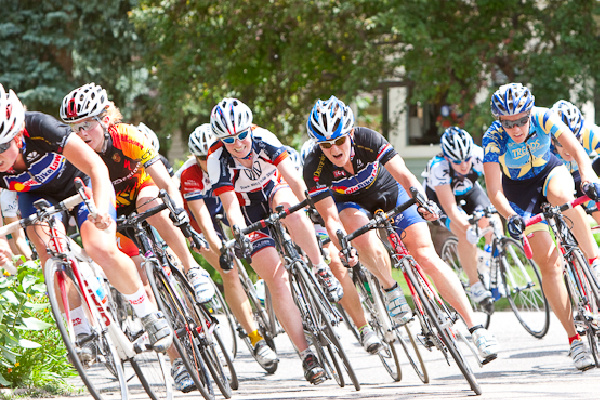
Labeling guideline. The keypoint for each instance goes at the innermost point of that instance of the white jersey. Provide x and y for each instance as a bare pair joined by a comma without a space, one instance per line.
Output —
439,172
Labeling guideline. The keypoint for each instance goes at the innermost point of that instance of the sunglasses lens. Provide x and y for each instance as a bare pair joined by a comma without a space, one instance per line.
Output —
242,135
338,142
228,140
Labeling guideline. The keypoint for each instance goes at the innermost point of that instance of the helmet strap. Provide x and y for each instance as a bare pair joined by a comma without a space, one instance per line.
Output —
106,135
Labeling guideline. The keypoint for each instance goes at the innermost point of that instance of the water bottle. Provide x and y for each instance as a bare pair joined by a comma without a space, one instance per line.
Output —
259,286
94,282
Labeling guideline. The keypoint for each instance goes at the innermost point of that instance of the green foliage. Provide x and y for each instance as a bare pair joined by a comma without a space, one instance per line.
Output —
32,352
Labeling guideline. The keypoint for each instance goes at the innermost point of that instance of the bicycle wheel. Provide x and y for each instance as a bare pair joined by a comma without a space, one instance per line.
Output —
523,286
172,304
409,344
585,299
101,370
441,321
482,313
151,368
321,316
220,310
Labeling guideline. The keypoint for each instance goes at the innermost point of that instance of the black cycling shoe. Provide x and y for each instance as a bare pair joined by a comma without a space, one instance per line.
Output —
313,372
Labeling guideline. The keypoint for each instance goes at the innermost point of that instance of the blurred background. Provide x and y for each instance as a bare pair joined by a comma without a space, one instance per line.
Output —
409,68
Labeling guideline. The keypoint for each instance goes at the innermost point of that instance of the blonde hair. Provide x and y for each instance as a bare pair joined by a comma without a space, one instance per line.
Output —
113,113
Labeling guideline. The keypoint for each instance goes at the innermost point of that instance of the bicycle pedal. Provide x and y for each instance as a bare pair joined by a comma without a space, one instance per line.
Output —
489,358
319,380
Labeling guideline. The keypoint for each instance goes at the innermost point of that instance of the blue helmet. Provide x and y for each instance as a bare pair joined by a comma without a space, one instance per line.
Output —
570,115
329,120
457,144
511,99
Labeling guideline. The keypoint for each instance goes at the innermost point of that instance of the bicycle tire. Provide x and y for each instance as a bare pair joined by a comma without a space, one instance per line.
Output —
523,287
482,313
318,302
151,368
388,354
98,377
178,313
435,315
585,300
221,311
415,359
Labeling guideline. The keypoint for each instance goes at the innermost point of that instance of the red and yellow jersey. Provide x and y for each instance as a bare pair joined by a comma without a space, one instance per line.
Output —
127,156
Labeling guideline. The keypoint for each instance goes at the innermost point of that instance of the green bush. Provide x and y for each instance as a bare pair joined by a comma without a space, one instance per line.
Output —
32,353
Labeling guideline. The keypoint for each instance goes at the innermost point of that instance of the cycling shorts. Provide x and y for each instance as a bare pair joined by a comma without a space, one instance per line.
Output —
401,222
475,200
127,207
8,201
527,196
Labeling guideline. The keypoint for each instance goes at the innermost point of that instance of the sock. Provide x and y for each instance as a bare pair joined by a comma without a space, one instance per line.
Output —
79,320
591,260
362,328
474,328
255,337
392,288
305,353
140,303
574,338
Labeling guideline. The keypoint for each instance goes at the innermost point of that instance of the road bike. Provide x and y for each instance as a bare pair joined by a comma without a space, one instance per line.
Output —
80,295
197,337
319,317
581,282
436,319
510,275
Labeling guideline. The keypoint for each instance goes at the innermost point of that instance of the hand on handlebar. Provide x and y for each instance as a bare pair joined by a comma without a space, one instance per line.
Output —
349,257
429,210
180,217
592,190
102,220
516,226
243,245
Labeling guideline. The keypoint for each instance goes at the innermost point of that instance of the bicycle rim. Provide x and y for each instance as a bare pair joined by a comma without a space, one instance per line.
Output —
323,323
227,321
436,314
178,314
481,315
103,373
523,286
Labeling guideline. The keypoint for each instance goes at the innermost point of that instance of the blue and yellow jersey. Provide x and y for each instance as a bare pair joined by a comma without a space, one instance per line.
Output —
589,139
520,161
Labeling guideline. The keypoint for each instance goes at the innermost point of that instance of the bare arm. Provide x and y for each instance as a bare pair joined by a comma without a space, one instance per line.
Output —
292,177
163,180
328,211
448,202
493,182
202,216
232,209
568,140
402,174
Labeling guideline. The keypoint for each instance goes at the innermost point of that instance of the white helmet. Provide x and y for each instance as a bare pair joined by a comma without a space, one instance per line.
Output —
230,117
12,115
150,134
457,144
84,102
306,148
201,140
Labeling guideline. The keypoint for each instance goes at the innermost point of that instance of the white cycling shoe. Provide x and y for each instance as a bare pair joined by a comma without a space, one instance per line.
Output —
486,344
202,284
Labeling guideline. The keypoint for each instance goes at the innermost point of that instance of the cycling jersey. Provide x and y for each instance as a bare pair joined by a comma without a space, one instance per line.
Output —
521,161
47,170
251,185
128,154
589,139
439,172
8,203
195,185
371,186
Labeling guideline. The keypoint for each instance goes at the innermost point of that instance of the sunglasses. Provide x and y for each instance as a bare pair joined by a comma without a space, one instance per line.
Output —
201,158
506,124
5,146
85,125
240,136
338,142
460,162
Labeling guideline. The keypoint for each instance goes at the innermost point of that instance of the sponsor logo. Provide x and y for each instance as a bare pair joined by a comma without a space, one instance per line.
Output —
255,172
32,156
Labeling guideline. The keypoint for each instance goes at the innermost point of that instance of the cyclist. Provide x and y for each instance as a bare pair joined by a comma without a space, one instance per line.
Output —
351,301
520,173
197,194
134,171
354,172
588,136
451,177
152,137
251,172
40,158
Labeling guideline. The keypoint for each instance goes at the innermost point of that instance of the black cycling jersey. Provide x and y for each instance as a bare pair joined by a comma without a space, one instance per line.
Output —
48,171
371,186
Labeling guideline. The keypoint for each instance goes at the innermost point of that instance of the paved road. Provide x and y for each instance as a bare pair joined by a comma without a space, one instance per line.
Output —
527,368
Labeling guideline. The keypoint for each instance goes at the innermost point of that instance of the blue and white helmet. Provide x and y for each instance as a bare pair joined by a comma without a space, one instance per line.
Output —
295,157
306,148
511,99
570,115
329,120
201,139
457,144
12,115
230,117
